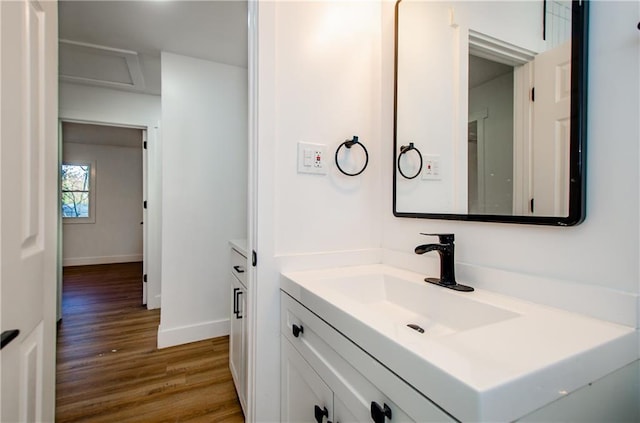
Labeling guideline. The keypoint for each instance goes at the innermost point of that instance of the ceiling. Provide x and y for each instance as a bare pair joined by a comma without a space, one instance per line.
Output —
483,70
118,43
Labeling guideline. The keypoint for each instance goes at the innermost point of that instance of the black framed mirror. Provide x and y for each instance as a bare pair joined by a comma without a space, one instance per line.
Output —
491,98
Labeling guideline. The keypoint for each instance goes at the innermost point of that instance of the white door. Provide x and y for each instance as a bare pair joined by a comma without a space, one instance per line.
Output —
301,389
551,121
145,222
28,207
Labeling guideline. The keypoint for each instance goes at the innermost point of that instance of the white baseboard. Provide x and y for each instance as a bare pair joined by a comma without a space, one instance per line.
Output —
85,261
170,337
153,302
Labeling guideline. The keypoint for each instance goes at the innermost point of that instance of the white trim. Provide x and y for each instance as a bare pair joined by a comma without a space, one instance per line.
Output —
145,218
131,58
154,192
97,122
479,118
496,50
522,136
192,333
252,208
92,190
86,261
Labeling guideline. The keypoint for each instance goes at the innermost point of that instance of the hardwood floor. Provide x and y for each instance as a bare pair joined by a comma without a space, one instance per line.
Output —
108,366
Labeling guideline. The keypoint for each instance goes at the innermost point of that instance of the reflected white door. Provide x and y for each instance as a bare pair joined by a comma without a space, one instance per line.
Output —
551,122
28,207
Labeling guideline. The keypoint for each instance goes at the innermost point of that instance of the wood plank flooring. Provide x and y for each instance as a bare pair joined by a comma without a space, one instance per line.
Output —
108,366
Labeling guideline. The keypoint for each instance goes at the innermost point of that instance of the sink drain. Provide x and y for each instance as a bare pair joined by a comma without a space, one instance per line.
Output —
415,327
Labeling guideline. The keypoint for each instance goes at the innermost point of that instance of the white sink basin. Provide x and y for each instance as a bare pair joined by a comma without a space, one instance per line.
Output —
482,356
399,302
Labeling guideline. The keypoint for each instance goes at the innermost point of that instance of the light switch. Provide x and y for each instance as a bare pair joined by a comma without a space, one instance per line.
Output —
311,158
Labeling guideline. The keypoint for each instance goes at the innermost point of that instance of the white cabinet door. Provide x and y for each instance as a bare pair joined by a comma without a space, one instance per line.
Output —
344,415
356,379
303,393
237,353
354,396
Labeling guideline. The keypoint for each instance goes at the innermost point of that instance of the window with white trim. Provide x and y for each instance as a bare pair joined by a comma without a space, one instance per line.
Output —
78,192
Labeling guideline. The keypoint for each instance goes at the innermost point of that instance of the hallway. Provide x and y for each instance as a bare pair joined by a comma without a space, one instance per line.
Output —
108,367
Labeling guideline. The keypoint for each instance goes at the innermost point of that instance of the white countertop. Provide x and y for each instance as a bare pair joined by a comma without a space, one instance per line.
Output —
493,372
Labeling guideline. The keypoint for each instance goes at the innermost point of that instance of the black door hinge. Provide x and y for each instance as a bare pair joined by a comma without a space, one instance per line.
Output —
144,204
533,94
144,145
254,258
531,202
144,278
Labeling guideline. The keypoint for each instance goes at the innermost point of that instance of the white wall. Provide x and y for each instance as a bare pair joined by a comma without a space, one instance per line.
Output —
428,105
116,235
319,81
103,105
319,74
495,98
433,85
204,115
603,251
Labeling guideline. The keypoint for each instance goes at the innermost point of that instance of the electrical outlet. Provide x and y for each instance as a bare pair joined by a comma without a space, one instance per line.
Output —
311,158
431,169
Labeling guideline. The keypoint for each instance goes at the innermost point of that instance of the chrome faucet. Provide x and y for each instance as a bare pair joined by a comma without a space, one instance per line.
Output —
446,250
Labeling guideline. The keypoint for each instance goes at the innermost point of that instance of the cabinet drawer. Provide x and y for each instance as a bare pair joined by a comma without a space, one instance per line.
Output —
239,266
342,365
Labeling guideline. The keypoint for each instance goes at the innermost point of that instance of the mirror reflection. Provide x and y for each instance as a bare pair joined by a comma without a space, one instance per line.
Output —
484,92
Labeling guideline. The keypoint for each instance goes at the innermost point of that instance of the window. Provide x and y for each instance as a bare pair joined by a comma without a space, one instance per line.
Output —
77,192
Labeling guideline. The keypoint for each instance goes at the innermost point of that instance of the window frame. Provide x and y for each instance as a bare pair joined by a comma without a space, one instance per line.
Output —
92,191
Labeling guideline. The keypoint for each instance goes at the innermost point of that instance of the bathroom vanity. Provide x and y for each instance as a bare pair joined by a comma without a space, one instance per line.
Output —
377,343
323,372
238,319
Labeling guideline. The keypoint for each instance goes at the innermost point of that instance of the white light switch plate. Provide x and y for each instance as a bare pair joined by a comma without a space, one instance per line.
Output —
312,158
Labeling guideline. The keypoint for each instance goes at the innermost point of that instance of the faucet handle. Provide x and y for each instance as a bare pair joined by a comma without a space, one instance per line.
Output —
443,238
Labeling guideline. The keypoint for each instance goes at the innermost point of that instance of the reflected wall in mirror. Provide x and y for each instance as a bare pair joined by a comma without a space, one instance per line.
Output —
493,95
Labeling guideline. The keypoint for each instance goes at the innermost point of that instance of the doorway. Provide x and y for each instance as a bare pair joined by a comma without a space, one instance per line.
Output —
103,183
